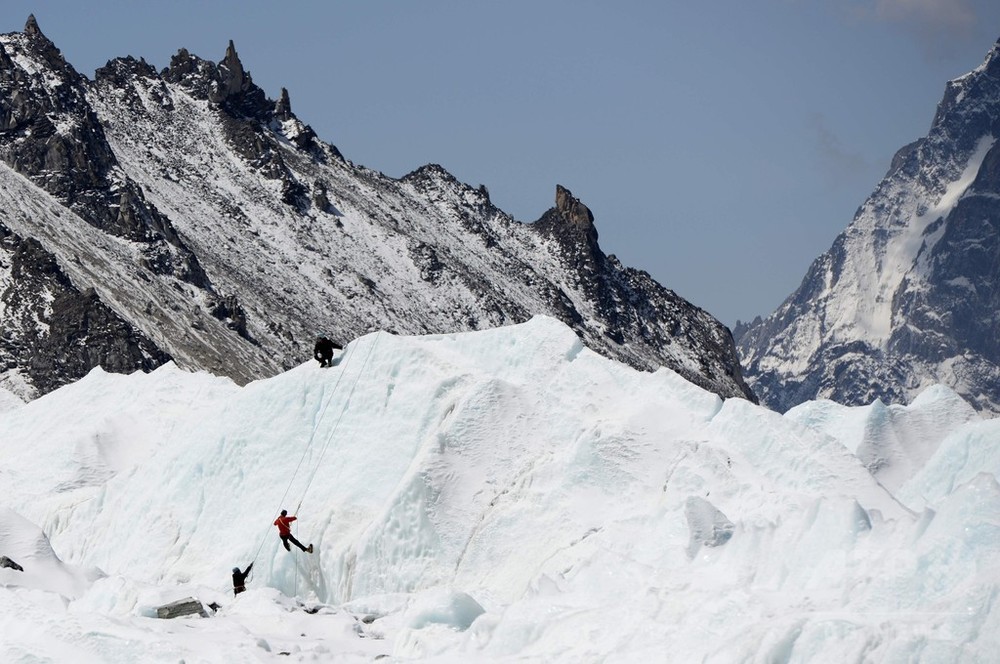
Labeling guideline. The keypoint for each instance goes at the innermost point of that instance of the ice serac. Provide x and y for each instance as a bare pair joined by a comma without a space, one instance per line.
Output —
33,564
494,496
215,222
908,294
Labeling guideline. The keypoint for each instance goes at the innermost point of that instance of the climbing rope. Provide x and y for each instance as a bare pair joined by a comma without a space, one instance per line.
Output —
330,437
316,420
336,425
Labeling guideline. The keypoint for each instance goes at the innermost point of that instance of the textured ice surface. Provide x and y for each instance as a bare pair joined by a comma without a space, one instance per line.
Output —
495,495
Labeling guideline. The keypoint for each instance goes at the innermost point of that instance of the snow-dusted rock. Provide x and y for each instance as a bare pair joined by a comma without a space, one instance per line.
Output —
216,229
907,295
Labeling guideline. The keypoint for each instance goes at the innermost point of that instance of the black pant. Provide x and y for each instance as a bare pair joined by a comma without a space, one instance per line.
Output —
285,539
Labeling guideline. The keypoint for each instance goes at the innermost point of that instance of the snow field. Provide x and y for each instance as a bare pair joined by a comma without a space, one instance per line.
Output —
495,496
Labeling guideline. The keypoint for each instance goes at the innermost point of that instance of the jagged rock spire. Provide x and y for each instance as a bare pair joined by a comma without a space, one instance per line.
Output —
43,46
31,26
572,210
283,108
234,78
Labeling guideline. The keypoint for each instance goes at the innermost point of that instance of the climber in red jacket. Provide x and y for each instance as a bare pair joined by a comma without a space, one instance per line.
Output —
283,523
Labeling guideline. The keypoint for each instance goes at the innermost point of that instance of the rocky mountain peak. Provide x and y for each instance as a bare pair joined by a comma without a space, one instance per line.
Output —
906,296
226,84
573,211
42,47
572,224
120,71
434,181
233,79
31,27
191,72
971,103
59,144
285,122
226,233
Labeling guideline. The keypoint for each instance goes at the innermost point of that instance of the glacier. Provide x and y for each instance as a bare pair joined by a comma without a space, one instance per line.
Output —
500,495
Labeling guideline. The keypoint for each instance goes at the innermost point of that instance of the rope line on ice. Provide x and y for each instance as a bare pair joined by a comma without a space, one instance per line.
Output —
336,425
302,458
329,439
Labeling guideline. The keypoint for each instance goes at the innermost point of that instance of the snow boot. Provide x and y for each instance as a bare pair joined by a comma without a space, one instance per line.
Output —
309,549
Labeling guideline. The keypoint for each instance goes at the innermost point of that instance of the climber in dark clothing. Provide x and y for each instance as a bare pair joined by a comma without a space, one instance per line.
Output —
284,524
240,579
323,351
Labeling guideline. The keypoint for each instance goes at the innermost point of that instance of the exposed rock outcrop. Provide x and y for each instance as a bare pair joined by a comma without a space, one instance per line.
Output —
52,333
8,563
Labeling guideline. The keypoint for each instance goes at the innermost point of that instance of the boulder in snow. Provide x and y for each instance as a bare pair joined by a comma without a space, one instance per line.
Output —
7,562
188,606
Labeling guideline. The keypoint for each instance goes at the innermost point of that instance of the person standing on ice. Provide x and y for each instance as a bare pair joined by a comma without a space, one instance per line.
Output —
284,524
323,351
240,579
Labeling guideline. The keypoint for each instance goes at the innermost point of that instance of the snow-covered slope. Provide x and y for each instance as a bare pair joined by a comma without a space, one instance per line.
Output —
219,228
909,293
498,495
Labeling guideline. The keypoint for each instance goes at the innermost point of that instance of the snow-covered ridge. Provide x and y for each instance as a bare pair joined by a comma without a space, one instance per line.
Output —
247,235
491,496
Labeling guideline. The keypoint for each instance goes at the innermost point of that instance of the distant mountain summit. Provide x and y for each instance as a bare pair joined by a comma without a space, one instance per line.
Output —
182,214
909,294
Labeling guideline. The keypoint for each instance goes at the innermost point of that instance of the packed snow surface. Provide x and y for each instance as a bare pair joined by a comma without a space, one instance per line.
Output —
505,495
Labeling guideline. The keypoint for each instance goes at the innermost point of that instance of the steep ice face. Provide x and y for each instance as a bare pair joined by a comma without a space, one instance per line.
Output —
33,565
502,494
894,442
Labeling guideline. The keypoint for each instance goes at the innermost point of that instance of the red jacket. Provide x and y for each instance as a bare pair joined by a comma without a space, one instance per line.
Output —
284,524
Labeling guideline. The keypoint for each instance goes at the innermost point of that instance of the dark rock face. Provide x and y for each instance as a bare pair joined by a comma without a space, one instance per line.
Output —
53,334
7,562
908,294
248,117
225,235
229,311
616,292
188,606
53,137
